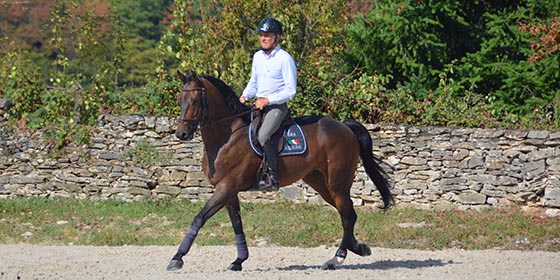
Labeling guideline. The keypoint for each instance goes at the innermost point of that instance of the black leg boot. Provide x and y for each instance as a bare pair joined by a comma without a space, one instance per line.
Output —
270,156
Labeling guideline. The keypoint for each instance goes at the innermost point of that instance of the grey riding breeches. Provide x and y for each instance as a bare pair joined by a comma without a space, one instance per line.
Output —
274,115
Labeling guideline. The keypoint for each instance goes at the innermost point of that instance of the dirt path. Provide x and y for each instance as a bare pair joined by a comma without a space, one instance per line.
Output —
209,262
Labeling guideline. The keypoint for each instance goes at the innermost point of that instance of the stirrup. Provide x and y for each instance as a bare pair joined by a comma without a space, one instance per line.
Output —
267,184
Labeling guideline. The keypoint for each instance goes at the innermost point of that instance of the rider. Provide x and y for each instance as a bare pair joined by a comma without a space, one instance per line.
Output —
273,82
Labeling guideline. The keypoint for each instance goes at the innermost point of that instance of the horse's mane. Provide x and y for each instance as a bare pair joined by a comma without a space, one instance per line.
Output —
232,100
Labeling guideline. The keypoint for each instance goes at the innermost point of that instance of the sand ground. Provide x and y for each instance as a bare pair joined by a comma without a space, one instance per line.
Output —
24,261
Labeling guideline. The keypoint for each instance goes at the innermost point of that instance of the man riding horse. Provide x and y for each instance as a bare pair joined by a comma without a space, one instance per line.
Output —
328,166
273,82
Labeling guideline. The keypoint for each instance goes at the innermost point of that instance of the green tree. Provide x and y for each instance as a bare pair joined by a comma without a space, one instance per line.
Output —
87,54
218,38
436,62
502,71
403,40
19,80
88,51
480,44
142,18
143,22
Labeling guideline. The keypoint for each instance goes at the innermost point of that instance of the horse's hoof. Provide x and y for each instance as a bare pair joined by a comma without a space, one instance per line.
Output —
366,251
362,250
175,265
235,267
331,264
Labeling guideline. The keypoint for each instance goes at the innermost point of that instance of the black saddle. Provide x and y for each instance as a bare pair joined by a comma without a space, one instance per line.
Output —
289,138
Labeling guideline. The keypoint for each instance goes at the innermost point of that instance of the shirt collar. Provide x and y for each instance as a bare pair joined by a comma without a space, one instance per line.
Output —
274,51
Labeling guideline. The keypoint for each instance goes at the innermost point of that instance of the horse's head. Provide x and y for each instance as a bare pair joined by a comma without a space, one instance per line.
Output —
192,101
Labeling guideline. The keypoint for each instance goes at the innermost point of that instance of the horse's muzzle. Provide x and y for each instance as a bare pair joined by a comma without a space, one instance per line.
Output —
185,134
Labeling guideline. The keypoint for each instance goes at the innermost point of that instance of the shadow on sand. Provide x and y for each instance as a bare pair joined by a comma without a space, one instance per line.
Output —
380,265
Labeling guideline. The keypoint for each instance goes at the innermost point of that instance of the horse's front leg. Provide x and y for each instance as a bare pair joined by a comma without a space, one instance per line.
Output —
242,250
214,204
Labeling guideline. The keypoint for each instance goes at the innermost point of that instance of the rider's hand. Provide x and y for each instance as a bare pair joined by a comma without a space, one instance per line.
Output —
242,99
261,103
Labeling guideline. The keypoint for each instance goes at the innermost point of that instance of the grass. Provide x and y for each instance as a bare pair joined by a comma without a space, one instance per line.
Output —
163,222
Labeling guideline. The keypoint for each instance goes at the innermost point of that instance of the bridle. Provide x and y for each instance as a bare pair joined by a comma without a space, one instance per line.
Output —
201,113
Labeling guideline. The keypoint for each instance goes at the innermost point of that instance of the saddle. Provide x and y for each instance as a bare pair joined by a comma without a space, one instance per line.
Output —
289,139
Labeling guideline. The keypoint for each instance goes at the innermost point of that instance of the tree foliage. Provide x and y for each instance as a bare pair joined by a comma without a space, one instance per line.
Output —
484,45
440,62
21,21
143,23
502,70
219,38
85,57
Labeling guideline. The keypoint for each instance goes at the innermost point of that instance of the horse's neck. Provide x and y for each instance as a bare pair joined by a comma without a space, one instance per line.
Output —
221,125
216,136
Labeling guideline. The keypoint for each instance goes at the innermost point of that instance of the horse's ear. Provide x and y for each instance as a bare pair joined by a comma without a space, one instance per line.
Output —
181,76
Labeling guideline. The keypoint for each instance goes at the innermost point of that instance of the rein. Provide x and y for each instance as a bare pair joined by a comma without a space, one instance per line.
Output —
201,113
231,117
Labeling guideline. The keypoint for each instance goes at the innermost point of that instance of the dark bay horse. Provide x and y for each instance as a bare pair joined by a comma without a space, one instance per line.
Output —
230,164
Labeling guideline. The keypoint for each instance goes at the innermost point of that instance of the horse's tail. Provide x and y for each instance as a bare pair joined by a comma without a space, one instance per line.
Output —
373,170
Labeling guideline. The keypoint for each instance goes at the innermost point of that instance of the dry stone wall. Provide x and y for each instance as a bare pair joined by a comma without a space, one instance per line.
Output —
472,167
136,157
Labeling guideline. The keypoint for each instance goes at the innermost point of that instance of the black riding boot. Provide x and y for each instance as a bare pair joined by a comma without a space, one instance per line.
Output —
269,173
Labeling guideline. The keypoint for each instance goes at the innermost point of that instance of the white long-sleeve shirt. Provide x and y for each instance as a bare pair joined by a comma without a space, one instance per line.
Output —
273,76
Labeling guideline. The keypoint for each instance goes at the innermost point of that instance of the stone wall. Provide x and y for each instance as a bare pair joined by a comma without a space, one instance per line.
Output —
428,166
470,167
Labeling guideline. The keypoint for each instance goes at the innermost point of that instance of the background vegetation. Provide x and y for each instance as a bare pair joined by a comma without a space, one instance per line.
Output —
115,223
477,64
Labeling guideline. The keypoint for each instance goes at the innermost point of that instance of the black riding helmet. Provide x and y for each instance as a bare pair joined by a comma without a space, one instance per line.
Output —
270,25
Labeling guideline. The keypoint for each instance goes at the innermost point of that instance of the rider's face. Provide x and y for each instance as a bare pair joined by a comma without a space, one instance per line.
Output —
268,40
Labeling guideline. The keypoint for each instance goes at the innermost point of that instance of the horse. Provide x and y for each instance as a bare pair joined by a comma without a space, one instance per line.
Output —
231,166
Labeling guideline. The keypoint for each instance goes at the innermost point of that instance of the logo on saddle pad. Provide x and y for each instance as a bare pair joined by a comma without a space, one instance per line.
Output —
293,140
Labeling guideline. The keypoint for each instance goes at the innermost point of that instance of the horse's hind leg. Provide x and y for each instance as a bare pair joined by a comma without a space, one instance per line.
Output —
317,181
349,217
345,208
242,250
341,201
343,204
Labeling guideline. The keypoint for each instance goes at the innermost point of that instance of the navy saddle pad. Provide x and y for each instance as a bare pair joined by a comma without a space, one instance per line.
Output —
292,137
